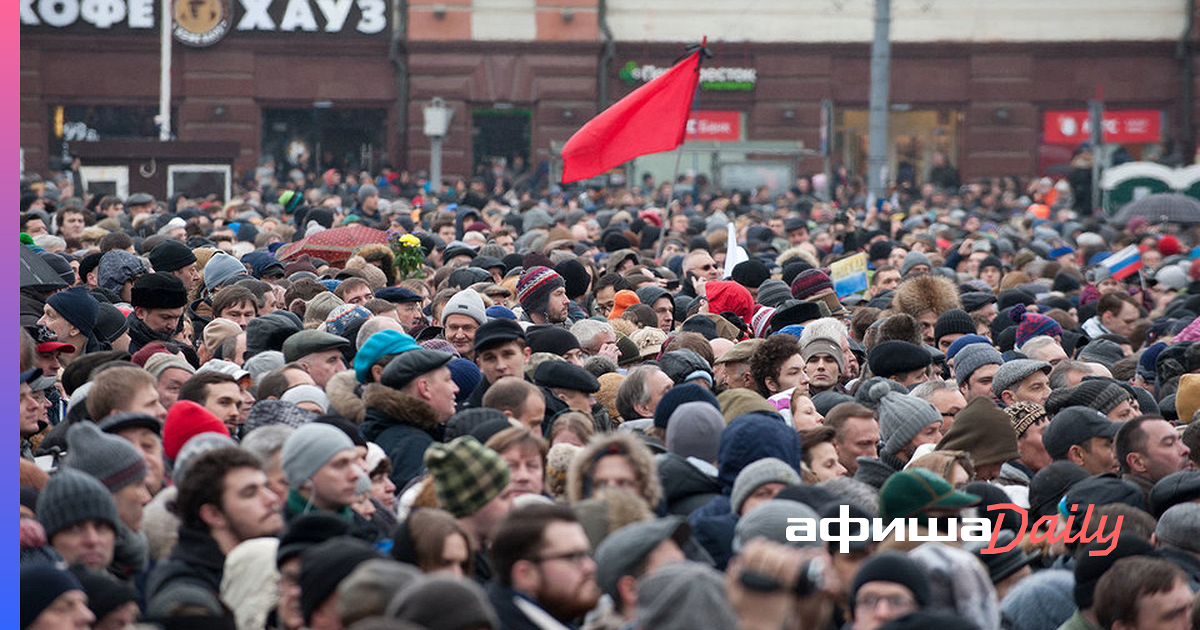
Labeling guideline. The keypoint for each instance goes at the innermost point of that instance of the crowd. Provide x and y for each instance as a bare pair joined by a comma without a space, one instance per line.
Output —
600,409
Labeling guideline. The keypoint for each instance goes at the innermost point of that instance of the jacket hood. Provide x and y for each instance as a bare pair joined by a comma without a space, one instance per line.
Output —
644,469
751,437
681,480
342,390
393,407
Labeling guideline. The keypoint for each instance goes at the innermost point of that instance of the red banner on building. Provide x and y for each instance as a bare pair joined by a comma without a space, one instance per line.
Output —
714,126
1133,126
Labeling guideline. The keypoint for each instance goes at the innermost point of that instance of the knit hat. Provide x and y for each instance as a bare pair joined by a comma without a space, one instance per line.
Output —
535,286
41,584
1049,485
901,417
1102,351
910,492
219,269
683,596
757,474
309,448
983,430
1089,569
466,302
466,375
117,267
895,567
1023,415
343,317
760,323
376,347
679,395
913,259
1030,325
1179,527
466,475
170,256
694,430
77,306
824,345
1013,372
552,339
622,300
158,290
306,393
110,459
809,283
575,277
72,496
963,342
953,321
184,420
1100,394
444,603
1041,601
750,273
973,357
896,357
195,447
773,293
326,564
767,519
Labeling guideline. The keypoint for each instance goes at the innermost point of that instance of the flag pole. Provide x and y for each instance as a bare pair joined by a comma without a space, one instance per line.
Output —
671,203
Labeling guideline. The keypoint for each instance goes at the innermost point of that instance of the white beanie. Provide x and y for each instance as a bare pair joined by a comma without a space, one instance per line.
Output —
466,302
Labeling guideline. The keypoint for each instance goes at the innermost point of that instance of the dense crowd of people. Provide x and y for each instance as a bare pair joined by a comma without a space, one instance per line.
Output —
601,408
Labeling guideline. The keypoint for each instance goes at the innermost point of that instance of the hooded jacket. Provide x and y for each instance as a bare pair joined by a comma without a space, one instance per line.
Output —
685,486
747,439
402,426
638,455
192,572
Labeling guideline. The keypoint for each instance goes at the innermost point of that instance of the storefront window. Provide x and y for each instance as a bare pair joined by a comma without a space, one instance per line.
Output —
914,136
320,138
90,123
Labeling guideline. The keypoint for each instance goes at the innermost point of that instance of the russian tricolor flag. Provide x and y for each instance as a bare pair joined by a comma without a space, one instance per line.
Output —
1124,263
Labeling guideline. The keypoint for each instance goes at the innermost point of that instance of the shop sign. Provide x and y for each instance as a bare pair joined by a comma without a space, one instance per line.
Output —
714,126
1131,126
722,79
198,21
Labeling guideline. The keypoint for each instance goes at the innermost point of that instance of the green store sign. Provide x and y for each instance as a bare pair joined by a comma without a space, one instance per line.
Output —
714,79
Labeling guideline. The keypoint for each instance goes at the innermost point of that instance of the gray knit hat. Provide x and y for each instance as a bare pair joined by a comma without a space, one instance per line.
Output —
769,520
219,269
72,496
694,430
973,357
901,417
773,293
1102,351
1179,527
466,302
913,259
110,459
755,475
309,448
683,595
197,445
1016,371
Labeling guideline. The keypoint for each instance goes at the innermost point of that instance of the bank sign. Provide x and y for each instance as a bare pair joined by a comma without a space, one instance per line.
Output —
204,22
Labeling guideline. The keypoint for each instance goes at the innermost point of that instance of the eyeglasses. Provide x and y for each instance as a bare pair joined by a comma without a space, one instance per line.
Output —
895,602
573,557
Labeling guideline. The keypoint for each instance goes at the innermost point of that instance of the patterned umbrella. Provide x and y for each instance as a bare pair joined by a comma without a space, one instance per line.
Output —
1161,208
333,245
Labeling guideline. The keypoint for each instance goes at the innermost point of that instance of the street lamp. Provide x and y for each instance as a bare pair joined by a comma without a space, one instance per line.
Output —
437,124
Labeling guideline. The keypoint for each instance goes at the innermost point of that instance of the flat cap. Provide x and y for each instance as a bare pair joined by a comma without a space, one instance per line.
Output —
398,295
897,357
563,375
1013,372
306,342
496,332
622,552
741,351
410,364
139,199
129,420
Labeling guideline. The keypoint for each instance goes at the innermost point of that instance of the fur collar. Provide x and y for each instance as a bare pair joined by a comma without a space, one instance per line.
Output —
398,407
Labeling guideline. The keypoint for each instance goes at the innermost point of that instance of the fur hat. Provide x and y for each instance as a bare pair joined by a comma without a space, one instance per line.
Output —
924,293
579,477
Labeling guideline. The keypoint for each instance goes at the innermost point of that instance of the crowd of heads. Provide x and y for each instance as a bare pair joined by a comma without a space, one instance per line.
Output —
602,408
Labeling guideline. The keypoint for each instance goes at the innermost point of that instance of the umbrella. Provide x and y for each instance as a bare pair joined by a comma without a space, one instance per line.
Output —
1161,208
37,274
333,245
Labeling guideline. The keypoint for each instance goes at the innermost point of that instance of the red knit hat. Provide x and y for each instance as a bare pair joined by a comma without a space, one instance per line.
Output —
186,420
1168,245
730,296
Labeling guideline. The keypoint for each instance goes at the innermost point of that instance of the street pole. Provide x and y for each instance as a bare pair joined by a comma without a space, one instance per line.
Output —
437,125
1096,121
435,163
164,74
877,130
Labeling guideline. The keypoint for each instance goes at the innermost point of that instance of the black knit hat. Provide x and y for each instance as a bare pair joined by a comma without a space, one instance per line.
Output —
170,256
576,277
105,594
308,530
158,290
893,566
1089,568
41,584
551,339
750,273
897,357
953,321
325,565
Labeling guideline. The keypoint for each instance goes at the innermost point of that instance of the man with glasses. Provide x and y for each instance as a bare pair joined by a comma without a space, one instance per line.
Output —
545,575
889,585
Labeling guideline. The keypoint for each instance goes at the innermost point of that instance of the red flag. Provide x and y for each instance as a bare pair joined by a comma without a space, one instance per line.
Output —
651,119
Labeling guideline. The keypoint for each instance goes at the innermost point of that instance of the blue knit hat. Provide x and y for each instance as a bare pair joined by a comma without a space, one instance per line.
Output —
466,375
963,342
376,347
678,395
219,269
76,305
